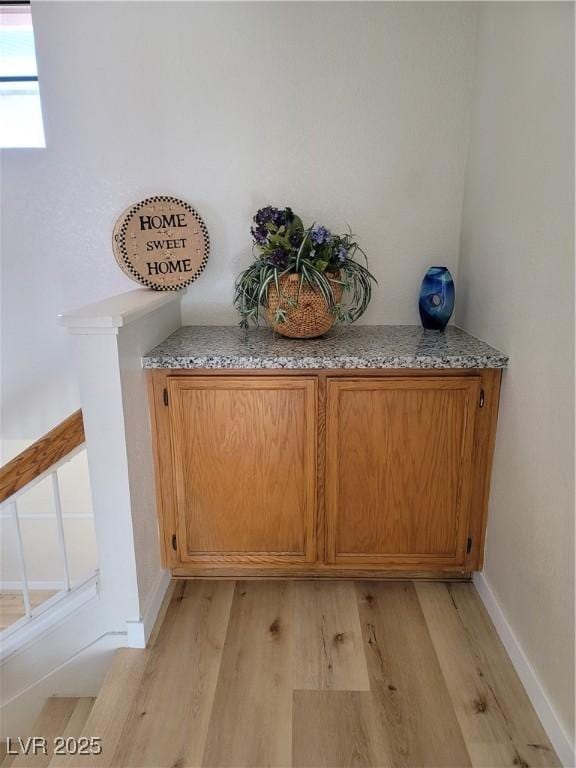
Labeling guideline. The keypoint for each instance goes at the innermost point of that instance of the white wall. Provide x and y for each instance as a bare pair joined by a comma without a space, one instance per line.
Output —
350,112
516,283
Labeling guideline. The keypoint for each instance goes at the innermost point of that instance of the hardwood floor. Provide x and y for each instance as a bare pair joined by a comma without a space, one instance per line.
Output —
409,693
169,720
12,605
328,650
314,674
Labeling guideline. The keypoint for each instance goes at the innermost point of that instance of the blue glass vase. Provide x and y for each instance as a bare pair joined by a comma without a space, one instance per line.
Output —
436,302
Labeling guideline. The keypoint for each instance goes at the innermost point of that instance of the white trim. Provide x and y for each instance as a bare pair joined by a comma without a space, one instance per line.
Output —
79,674
48,516
14,586
534,689
119,635
46,616
139,631
117,311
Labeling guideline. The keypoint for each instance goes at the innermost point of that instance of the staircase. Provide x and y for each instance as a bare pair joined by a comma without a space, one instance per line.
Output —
61,717
66,647
111,708
103,716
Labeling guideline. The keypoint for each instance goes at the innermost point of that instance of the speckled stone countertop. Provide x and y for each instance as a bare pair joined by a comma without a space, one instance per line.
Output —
356,346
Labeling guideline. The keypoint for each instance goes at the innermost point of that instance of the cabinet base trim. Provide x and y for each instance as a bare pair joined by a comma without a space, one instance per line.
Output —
319,573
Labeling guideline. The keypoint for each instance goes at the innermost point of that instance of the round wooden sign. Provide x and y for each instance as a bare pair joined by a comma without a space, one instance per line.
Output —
161,242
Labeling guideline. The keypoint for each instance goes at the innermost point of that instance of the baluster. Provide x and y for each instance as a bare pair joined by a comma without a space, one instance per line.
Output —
23,573
60,524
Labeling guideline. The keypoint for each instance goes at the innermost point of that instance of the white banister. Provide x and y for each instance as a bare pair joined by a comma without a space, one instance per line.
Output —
22,560
60,525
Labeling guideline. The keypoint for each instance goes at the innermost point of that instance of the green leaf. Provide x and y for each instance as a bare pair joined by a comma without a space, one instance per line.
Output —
300,253
316,270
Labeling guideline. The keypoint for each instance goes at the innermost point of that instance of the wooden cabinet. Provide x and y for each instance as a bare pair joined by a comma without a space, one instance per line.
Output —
244,468
398,469
323,473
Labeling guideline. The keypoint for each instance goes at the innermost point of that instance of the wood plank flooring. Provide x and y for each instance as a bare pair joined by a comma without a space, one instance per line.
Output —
169,719
323,674
409,693
482,681
328,652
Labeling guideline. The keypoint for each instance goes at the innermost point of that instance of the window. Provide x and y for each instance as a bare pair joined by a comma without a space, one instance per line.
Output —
20,110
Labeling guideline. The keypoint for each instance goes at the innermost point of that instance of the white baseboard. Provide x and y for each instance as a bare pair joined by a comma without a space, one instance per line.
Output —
139,631
530,681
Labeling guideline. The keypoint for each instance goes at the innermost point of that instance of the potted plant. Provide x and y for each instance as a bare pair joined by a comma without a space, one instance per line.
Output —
305,279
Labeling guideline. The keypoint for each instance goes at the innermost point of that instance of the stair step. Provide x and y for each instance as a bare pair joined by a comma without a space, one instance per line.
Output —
60,715
3,755
111,709
79,717
5,760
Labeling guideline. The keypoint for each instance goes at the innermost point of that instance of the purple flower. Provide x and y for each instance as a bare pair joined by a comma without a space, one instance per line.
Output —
259,233
282,218
320,235
264,215
274,216
278,257
342,253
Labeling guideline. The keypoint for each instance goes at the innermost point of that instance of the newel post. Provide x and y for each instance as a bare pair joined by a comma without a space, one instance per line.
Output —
109,340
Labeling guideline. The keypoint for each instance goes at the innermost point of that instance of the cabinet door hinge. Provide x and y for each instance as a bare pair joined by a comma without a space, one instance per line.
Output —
174,542
468,545
481,402
165,396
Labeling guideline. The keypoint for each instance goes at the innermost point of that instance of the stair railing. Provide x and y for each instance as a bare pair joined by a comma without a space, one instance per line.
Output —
40,460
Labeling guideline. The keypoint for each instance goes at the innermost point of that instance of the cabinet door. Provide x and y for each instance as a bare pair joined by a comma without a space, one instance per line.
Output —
244,462
399,466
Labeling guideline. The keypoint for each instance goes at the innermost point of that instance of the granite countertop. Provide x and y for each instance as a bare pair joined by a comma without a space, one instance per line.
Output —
356,346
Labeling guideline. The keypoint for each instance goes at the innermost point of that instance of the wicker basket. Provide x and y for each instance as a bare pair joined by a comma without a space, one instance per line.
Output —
310,318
